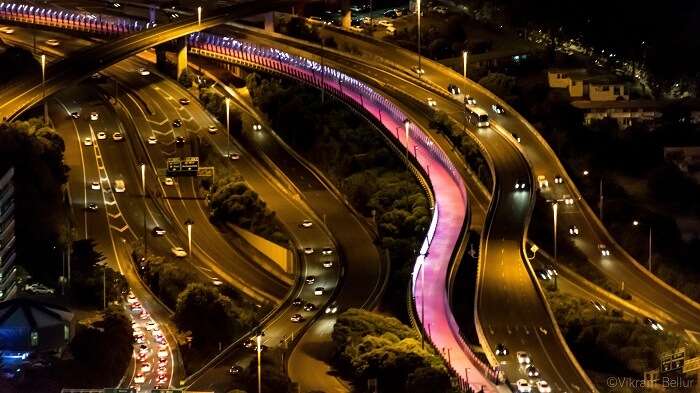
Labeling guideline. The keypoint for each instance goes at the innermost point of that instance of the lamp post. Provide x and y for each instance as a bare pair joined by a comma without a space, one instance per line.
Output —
228,129
418,13
189,224
199,15
464,70
258,340
636,223
145,227
555,210
43,88
407,128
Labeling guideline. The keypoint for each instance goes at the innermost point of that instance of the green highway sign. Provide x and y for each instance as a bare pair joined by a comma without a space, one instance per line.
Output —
120,390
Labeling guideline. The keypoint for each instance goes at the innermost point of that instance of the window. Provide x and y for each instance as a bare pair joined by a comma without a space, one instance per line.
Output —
616,90
35,339
606,88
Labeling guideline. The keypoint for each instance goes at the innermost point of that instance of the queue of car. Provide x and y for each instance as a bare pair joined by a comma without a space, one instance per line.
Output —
151,351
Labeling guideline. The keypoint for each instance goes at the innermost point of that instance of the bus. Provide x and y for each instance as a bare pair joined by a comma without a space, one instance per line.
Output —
477,116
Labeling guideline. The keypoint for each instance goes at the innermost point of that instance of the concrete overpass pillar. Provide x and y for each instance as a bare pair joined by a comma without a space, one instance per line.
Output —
181,53
161,58
345,14
270,21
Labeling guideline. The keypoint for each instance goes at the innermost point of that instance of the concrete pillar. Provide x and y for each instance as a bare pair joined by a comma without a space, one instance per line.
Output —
270,21
152,10
161,58
345,14
181,52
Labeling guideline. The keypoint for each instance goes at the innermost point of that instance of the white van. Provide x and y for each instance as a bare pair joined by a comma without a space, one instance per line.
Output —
119,186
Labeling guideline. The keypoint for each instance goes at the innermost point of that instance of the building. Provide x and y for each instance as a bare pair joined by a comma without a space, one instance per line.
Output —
625,112
594,87
8,270
28,325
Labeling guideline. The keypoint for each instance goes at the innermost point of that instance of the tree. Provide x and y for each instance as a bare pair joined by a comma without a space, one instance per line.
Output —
428,380
185,79
499,84
87,279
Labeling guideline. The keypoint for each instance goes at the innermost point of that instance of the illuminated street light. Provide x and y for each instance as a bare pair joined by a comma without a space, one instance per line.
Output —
43,88
418,12
199,15
228,129
189,224
464,70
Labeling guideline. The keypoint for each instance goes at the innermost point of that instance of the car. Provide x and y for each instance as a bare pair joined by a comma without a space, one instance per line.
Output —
523,386
119,186
542,181
418,71
94,116
257,127
146,367
140,339
143,72
309,307
469,100
169,181
523,357
92,206
96,75
250,343
184,101
327,251
151,326
454,89
598,305
179,252
7,30
235,369
327,263
131,298
163,353
216,281
152,140
75,115
297,302
310,280
516,137
332,308
212,129
532,371
501,350
307,223
234,156
543,386
162,378
498,109
137,309
134,304
604,250
139,378
87,141
157,231
308,250
440,9
143,348
144,315
319,291
431,102
117,136
568,200
101,135
38,288
654,325
162,370
558,179
53,42
95,185
177,123
179,140
296,318
162,361
573,230
520,185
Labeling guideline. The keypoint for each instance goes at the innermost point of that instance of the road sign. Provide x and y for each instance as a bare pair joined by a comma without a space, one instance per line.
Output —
205,171
119,390
672,361
187,166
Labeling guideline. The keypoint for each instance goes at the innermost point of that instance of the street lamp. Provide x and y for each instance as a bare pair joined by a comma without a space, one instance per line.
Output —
555,210
145,227
228,129
636,223
199,15
258,340
407,127
189,224
464,70
418,12
43,88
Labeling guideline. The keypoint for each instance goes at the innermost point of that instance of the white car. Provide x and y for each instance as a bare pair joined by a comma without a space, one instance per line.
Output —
327,251
432,103
319,291
179,252
150,326
146,367
308,250
119,186
53,42
101,135
88,141
95,185
418,71
498,109
523,357
139,378
212,129
296,318
7,30
234,156
469,100
523,386
162,353
152,140
543,386
144,72
328,264
169,181
131,298
117,136
94,116
307,223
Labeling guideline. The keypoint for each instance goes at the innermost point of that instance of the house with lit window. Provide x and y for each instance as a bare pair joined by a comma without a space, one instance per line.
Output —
582,84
